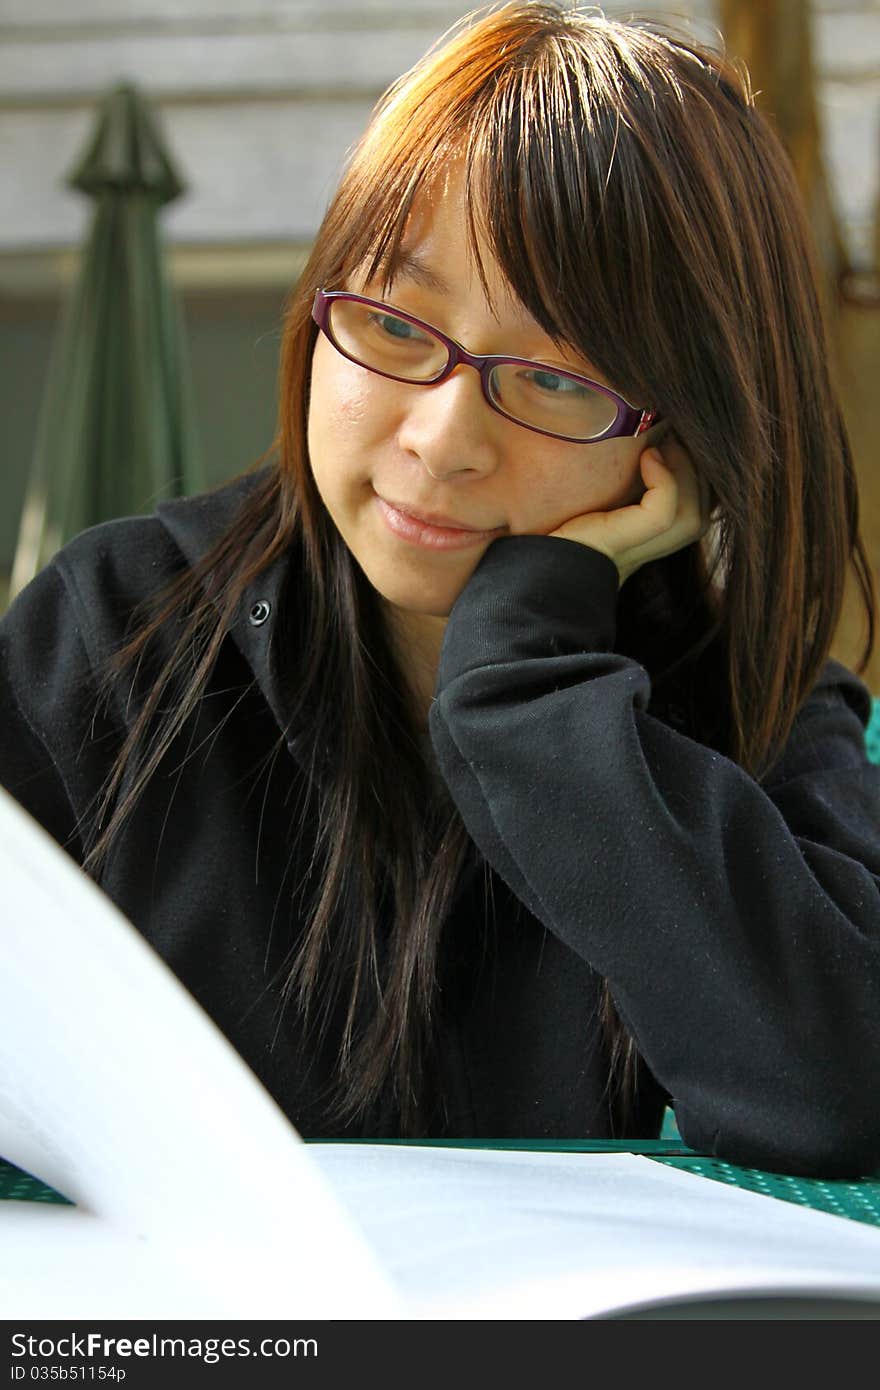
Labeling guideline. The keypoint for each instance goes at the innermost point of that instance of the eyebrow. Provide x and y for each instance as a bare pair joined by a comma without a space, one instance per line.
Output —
408,265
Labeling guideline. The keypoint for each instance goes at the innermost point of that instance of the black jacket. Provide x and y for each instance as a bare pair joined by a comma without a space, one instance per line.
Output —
738,924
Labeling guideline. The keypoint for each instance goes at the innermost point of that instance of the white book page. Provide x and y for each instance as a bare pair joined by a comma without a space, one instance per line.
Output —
470,1233
119,1091
66,1264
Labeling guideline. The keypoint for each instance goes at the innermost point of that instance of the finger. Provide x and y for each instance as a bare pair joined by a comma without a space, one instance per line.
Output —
630,528
661,499
694,487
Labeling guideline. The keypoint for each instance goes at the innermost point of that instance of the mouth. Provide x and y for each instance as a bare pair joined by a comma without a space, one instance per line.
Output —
432,529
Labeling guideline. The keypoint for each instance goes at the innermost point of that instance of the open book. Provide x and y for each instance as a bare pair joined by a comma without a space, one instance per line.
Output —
195,1198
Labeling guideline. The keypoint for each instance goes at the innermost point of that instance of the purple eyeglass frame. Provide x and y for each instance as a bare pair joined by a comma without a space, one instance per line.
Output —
630,420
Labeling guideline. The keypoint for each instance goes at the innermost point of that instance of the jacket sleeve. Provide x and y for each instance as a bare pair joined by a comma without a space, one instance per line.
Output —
737,922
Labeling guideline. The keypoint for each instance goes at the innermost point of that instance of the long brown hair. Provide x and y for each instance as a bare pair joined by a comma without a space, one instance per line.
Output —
645,214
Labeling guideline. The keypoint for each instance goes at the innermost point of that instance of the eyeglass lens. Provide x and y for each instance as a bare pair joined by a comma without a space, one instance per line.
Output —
534,395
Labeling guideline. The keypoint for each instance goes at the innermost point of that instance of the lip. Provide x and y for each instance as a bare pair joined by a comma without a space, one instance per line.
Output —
431,528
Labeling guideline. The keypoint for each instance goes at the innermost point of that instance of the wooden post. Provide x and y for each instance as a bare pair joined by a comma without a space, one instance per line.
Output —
774,39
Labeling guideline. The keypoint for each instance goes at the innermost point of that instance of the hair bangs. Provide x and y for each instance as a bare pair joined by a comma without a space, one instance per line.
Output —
553,180
555,189
423,122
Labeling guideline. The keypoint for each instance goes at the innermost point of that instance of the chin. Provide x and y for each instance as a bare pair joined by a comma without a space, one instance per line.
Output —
439,606
431,601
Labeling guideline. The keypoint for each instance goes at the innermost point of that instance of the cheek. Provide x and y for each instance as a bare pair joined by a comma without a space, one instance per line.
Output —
338,394
596,479
629,485
350,405
340,419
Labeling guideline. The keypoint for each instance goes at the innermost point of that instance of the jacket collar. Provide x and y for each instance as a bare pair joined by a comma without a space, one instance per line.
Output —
196,524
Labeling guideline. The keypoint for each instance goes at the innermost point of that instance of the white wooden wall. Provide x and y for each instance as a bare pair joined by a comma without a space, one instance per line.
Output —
261,99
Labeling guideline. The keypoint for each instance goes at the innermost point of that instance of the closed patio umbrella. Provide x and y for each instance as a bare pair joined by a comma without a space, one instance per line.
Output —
116,428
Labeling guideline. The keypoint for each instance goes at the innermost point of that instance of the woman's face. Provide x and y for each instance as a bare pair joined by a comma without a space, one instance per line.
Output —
377,445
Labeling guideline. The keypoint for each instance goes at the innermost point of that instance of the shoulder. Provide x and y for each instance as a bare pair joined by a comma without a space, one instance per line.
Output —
838,686
57,636
827,739
116,565
96,583
87,593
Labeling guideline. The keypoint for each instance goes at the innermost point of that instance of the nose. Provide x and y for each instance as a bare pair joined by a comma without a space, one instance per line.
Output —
449,427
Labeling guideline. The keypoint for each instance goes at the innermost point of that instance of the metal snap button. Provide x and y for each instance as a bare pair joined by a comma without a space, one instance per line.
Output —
259,613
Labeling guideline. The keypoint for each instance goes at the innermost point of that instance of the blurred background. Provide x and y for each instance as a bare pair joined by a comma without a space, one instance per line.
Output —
236,116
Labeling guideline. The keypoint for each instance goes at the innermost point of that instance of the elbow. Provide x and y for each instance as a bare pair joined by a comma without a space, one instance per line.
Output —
833,1142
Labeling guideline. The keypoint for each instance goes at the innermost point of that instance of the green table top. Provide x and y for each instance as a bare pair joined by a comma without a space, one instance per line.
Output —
855,1198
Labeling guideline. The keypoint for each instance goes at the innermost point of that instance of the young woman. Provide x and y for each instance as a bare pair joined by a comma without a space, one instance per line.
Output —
478,762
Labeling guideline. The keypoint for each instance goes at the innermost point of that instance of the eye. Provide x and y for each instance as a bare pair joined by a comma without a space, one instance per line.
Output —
555,385
391,327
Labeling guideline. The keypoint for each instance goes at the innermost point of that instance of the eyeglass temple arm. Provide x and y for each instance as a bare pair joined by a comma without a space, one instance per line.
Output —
647,420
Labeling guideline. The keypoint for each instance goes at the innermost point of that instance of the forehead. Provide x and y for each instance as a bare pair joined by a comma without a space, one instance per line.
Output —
441,253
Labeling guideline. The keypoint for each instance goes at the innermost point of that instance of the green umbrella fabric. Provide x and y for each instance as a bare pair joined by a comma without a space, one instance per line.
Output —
116,429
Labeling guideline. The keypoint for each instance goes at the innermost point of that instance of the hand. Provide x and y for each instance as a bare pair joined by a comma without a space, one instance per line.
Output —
674,511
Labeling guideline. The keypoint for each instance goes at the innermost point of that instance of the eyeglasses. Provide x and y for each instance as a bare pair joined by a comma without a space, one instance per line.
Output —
394,344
